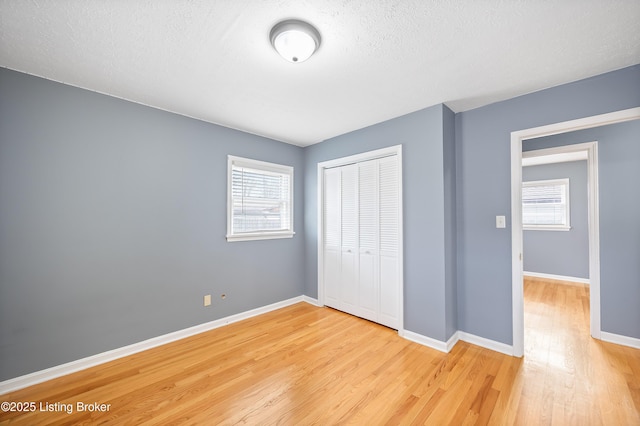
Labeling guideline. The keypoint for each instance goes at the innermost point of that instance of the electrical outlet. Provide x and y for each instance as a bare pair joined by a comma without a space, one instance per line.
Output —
207,300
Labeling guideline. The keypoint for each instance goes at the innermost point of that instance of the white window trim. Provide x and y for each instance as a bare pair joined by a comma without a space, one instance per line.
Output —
259,165
566,227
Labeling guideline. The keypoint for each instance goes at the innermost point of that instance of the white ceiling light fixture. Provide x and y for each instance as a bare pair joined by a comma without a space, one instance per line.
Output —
295,40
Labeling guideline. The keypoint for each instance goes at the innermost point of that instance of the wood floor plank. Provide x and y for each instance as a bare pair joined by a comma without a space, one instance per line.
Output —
303,365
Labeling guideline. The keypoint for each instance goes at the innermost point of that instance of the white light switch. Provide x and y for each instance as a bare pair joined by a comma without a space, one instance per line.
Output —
207,300
501,222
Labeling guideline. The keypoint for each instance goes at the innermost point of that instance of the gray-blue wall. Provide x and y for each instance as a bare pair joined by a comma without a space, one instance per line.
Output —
427,149
483,187
619,196
563,253
113,222
113,215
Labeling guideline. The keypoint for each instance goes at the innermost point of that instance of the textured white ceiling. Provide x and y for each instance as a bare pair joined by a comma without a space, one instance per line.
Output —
379,59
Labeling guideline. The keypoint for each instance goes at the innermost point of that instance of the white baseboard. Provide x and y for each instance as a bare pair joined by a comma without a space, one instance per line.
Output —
556,277
452,341
620,340
498,346
311,301
457,336
425,341
91,361
486,343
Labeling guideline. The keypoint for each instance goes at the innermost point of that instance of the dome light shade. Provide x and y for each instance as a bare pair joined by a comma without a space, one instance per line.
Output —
295,40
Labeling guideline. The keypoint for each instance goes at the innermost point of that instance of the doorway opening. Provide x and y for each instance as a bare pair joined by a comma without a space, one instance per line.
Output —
517,139
556,196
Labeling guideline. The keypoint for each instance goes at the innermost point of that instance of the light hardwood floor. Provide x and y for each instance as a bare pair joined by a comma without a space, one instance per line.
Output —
305,365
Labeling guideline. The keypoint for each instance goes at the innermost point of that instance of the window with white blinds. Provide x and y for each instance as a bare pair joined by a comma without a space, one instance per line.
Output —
259,200
545,205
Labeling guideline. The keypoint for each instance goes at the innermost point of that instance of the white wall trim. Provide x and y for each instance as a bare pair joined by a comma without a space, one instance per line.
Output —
429,342
516,215
497,346
556,277
101,358
364,156
486,343
457,336
620,340
453,340
555,158
311,301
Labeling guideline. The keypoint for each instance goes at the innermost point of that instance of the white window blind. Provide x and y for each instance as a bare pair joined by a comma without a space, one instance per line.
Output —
260,200
545,204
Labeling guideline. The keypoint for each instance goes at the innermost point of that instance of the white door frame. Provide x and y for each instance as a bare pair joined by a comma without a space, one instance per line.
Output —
357,158
517,138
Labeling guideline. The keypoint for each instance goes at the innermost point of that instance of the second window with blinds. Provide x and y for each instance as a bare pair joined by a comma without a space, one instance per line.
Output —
545,205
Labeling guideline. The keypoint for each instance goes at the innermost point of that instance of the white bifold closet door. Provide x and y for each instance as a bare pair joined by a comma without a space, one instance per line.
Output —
361,244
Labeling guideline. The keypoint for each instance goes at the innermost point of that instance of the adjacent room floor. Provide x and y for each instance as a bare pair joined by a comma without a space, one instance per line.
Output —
305,365
568,377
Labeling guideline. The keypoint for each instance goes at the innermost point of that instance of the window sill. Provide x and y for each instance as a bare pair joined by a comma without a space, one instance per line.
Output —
546,228
260,236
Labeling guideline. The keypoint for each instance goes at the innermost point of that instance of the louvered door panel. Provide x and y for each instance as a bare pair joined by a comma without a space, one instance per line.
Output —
368,204
369,235
389,220
349,210
332,211
389,243
389,308
349,282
